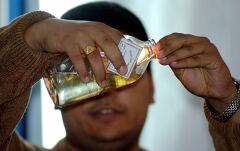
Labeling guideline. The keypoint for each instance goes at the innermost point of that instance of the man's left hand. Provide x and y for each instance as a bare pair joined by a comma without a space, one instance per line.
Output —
197,63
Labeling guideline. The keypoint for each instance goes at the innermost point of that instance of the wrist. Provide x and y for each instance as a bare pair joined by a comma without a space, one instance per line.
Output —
225,111
220,105
34,35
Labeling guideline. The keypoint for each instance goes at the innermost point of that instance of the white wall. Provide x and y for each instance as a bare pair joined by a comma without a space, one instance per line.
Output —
176,122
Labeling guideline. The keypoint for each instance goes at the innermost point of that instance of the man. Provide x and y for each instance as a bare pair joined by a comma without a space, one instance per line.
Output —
111,121
114,120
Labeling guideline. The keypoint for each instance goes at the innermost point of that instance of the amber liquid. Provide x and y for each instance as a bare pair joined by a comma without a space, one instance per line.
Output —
66,89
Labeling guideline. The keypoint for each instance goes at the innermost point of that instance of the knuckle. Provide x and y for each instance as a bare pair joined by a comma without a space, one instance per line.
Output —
117,32
190,36
116,35
204,39
212,47
101,25
176,34
106,40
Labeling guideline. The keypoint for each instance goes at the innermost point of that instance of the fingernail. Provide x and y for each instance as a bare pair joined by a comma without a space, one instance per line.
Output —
104,83
122,70
86,79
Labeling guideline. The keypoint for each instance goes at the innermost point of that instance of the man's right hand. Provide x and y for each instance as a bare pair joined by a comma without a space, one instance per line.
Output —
72,37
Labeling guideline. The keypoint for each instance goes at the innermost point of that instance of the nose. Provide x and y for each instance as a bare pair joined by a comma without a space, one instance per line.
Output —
111,95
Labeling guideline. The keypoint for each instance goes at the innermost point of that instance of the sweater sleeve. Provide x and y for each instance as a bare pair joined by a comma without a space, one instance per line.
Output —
225,135
20,68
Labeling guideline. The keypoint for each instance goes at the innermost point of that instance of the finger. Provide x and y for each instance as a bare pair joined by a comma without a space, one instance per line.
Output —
112,51
78,63
115,34
175,41
95,61
184,52
202,60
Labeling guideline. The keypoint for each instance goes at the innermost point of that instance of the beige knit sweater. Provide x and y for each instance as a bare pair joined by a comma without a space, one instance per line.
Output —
21,67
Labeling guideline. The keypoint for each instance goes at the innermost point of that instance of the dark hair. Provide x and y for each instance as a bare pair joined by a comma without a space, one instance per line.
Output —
111,14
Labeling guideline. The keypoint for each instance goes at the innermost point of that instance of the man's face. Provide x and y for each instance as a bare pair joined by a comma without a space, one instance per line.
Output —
115,117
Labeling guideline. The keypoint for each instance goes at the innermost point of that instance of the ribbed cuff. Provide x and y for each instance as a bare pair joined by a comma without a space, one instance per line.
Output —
227,129
21,53
21,66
